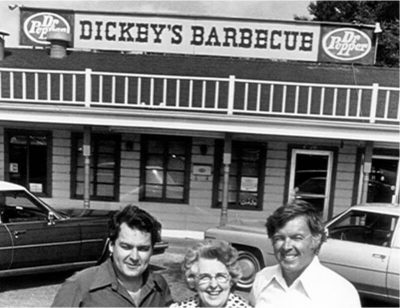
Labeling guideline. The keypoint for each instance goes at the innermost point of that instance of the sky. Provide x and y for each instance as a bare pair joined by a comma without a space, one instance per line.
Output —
266,9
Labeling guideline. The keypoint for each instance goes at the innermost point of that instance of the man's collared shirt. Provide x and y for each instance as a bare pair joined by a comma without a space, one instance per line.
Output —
317,286
99,287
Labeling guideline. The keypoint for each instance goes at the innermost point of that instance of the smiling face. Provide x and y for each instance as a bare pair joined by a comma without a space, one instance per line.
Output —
213,282
294,247
131,253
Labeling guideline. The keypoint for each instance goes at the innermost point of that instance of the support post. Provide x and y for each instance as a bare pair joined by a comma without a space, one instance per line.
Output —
374,102
231,94
227,158
88,87
366,170
86,156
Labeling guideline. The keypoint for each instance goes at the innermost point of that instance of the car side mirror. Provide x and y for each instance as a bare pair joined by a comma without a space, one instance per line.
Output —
51,219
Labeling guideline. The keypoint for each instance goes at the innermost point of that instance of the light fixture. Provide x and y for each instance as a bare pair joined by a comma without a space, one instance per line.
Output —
378,28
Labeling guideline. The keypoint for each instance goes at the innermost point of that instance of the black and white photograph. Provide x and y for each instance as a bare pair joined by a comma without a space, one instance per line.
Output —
218,153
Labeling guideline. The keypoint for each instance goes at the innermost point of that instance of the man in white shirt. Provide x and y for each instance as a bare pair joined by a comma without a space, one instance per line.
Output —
299,280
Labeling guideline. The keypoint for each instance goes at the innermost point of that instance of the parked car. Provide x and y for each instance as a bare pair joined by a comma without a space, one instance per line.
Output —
363,246
35,238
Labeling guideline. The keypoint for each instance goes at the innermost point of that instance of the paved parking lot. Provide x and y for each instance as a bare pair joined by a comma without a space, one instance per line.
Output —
39,290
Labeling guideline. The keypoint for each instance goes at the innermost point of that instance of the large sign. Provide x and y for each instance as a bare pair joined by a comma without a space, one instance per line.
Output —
280,40
36,23
196,36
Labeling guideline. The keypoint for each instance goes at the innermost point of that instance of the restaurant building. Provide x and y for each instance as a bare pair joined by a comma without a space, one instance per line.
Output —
200,120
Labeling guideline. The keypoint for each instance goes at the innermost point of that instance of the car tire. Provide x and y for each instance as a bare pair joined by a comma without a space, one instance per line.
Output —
250,263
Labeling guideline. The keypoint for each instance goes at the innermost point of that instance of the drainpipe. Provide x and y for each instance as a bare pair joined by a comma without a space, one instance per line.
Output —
86,156
2,44
367,170
227,163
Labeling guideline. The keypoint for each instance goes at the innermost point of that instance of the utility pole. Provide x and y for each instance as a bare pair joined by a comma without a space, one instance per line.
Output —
366,170
86,155
227,159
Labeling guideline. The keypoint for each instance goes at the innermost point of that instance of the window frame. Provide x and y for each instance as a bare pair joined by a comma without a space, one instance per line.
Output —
218,163
143,156
94,157
47,189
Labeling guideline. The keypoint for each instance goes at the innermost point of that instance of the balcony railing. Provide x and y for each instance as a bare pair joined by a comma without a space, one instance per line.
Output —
231,96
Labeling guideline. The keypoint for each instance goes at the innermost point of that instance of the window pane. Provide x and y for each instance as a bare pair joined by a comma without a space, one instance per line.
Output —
176,162
19,140
104,190
154,191
105,176
175,178
174,192
154,176
176,147
106,146
249,169
155,147
250,154
154,161
248,200
80,188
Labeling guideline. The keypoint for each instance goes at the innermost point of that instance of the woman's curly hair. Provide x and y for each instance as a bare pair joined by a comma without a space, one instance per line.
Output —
211,249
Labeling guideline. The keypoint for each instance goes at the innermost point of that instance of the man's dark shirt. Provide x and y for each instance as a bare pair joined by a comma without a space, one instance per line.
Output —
98,287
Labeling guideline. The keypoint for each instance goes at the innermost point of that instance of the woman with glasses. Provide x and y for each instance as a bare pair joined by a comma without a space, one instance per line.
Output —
211,269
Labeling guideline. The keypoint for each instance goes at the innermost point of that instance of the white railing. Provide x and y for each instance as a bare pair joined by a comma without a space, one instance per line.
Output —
229,95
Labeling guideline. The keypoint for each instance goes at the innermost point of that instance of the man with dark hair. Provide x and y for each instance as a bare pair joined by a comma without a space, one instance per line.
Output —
299,280
124,280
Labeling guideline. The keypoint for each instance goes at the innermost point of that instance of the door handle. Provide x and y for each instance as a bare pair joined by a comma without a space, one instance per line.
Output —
379,256
19,232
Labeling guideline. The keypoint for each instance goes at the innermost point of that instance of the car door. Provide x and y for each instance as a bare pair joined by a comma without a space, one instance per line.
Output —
393,277
38,240
5,247
360,251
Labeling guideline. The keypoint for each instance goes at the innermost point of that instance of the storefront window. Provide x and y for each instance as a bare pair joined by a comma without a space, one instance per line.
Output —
246,176
104,167
28,162
165,169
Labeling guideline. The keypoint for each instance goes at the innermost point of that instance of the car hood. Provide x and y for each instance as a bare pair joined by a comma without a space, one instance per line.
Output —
243,228
87,213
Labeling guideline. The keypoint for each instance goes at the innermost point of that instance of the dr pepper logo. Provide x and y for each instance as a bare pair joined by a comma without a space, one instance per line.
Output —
38,25
346,44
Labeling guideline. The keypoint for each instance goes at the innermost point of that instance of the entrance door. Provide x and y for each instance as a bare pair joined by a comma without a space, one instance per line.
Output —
383,179
310,178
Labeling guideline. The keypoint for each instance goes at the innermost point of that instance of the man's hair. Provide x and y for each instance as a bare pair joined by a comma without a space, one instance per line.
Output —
292,210
211,249
135,218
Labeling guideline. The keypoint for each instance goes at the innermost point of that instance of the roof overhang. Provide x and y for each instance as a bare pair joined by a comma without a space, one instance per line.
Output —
127,120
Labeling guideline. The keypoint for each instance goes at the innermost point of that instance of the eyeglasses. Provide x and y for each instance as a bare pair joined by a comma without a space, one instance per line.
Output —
297,238
205,279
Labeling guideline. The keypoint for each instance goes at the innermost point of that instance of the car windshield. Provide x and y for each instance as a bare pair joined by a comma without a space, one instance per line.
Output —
364,227
18,205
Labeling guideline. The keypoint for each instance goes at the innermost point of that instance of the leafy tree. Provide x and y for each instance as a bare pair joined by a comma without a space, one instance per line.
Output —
365,12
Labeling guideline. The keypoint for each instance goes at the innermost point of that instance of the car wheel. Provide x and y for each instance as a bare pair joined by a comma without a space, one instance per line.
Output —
250,265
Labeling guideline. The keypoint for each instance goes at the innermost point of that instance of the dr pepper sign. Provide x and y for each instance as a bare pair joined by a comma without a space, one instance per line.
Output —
211,36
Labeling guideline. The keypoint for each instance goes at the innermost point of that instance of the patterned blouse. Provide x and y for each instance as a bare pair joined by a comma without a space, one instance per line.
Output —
234,301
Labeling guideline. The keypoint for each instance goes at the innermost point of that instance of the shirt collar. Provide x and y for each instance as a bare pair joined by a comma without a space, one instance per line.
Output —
106,276
310,277
306,280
